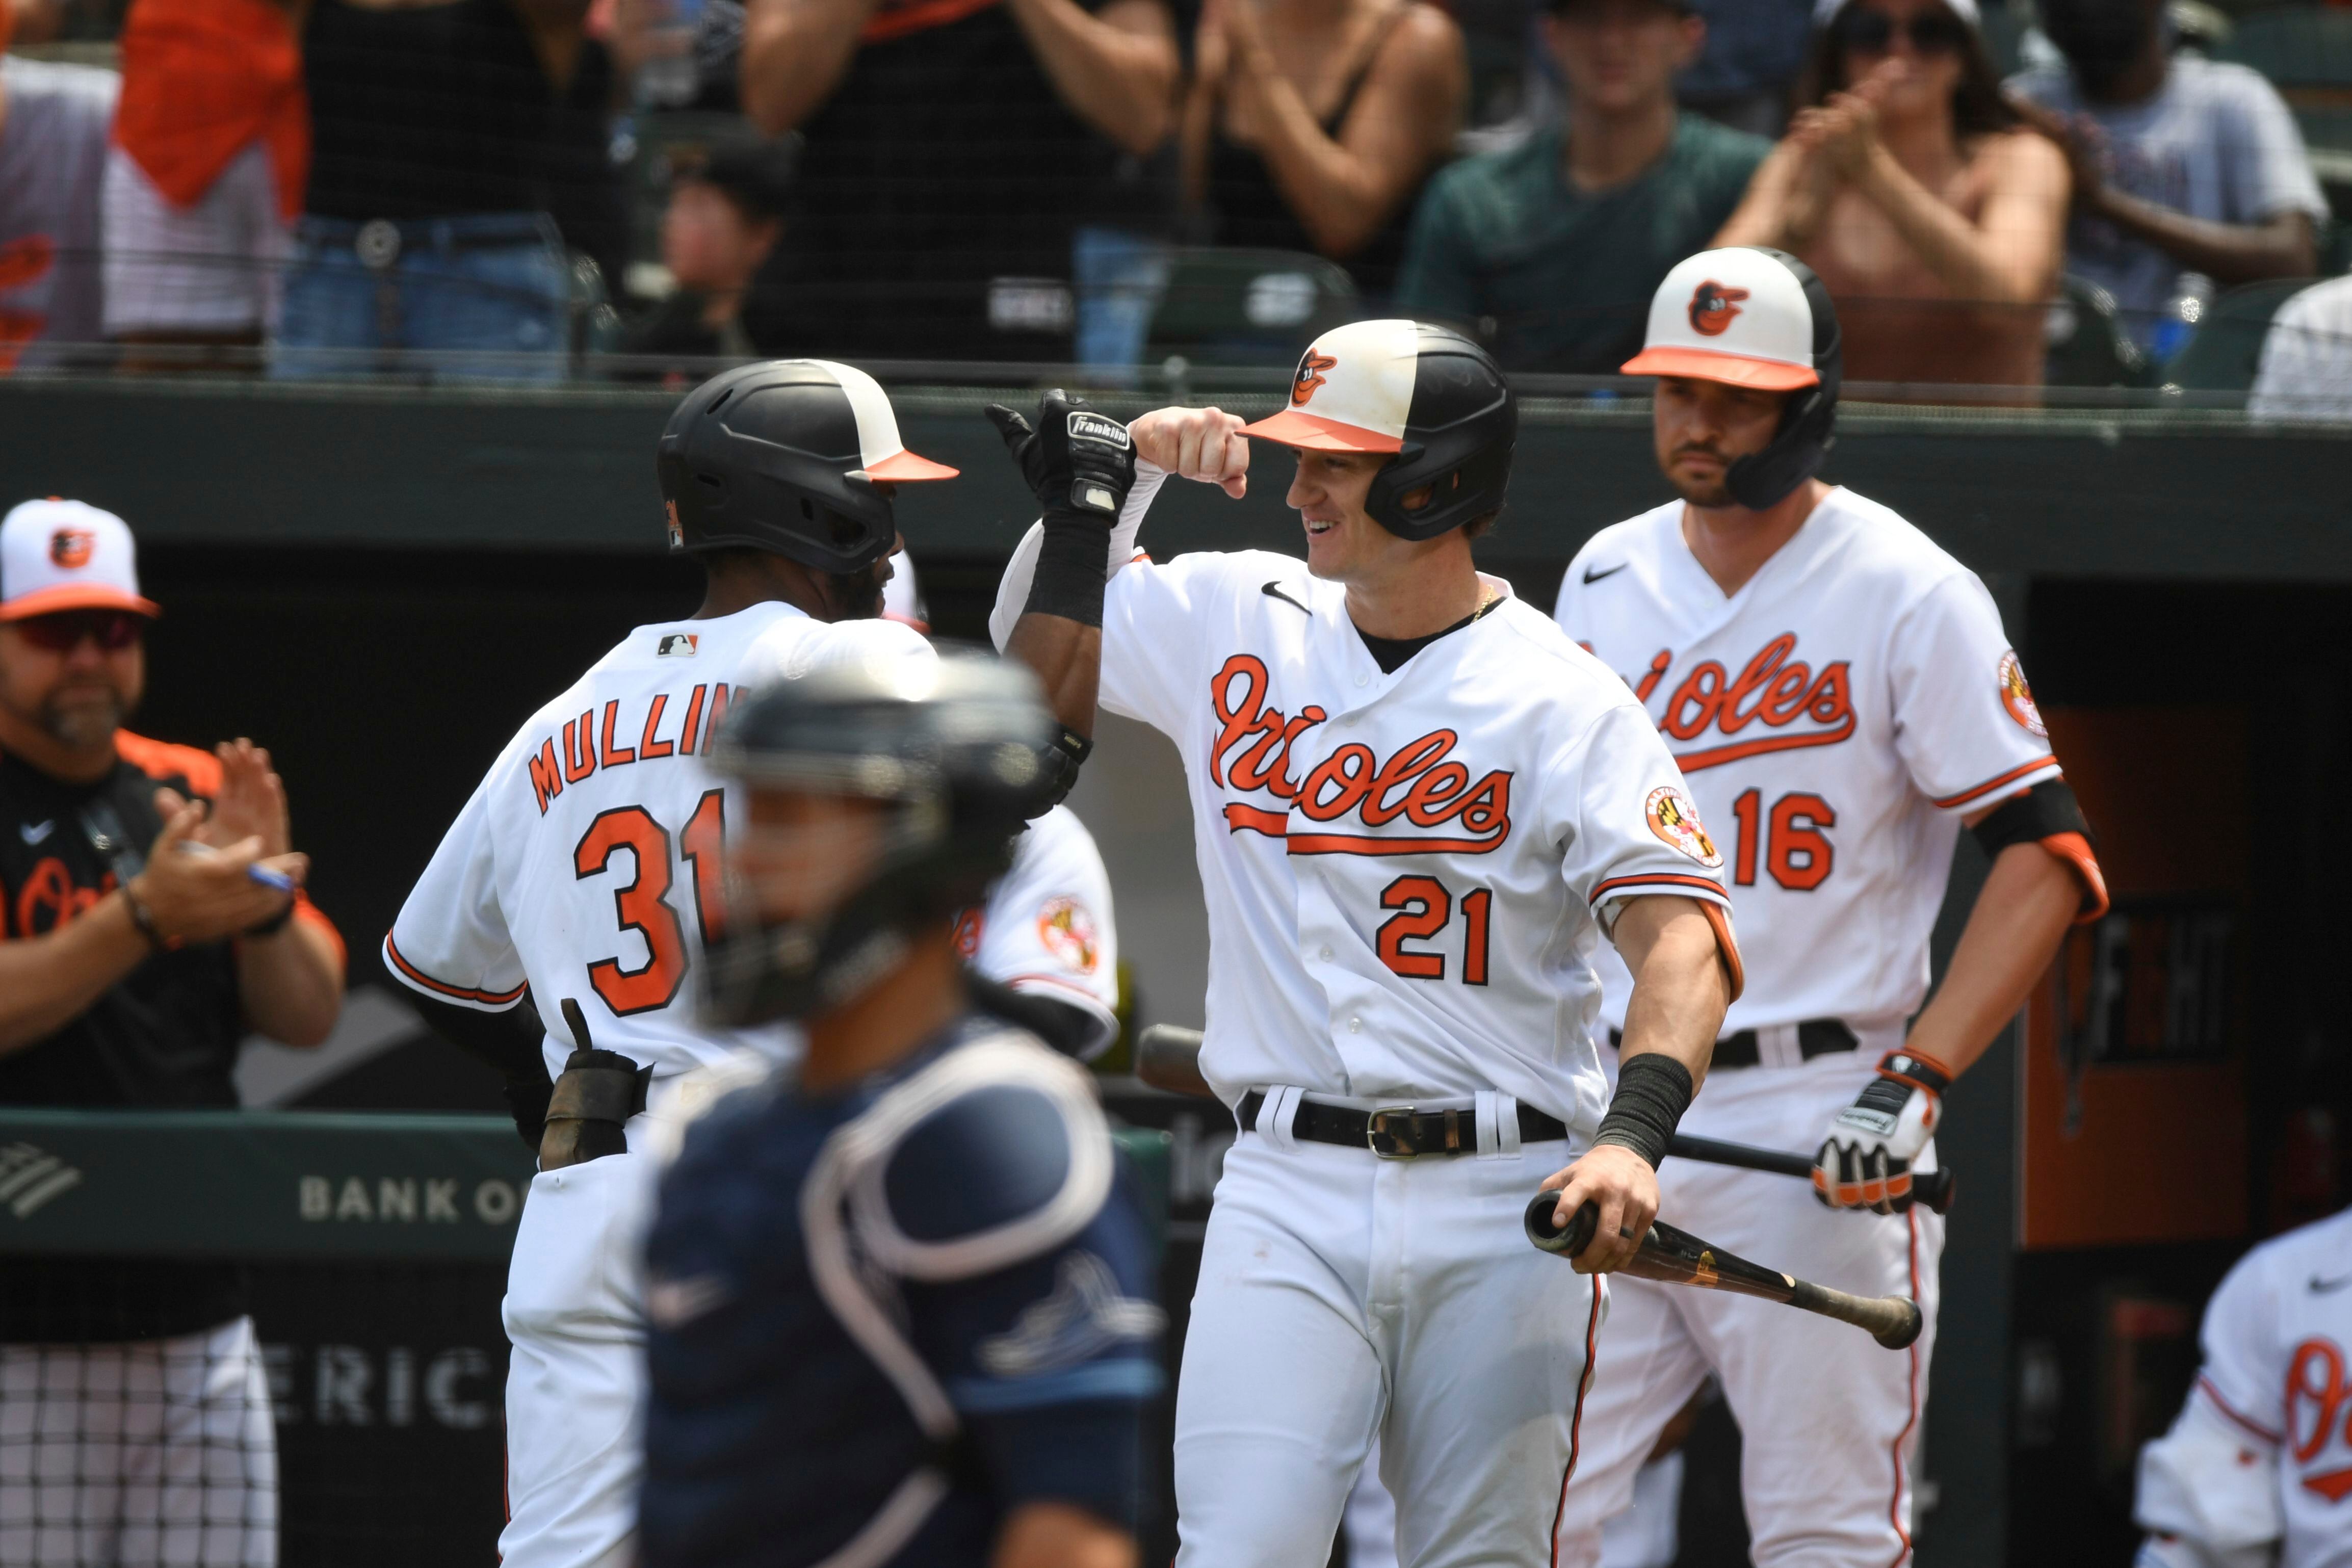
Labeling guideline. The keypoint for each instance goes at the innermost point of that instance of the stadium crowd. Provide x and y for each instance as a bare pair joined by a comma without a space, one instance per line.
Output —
310,185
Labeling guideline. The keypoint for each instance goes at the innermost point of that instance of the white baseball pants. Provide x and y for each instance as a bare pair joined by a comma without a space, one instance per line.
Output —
1343,1296
139,1455
576,1387
1829,1421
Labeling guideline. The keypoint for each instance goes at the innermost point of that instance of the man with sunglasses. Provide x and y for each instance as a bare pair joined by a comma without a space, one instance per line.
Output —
150,917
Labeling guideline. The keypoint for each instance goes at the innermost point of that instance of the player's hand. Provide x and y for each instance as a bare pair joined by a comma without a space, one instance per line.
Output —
197,893
1619,1183
1866,1161
1201,443
1079,464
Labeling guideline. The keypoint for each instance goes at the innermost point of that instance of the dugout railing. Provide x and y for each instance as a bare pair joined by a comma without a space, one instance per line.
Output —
374,1251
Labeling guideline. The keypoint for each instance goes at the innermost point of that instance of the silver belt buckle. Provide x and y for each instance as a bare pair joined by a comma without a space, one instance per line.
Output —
1391,1141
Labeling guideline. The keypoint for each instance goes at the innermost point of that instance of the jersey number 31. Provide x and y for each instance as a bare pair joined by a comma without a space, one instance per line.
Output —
642,904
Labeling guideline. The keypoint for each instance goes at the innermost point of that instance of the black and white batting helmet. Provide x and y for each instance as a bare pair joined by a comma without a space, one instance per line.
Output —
1426,394
789,456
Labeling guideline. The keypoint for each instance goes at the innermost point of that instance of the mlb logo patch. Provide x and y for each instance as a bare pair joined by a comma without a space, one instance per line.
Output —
676,645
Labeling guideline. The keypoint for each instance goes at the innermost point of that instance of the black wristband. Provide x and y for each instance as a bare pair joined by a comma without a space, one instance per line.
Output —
142,918
1652,1091
275,923
1072,570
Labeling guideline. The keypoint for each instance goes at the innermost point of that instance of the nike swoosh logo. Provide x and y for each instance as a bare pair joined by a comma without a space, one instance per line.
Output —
1273,591
34,833
1592,576
2328,1287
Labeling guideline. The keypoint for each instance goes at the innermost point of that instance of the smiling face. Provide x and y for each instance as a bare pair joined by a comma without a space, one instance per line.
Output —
1343,543
1702,428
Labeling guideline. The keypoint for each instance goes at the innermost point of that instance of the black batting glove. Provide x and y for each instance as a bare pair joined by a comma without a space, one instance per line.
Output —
1080,465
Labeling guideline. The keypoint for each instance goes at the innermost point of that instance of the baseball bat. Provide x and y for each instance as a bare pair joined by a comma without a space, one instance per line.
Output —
1677,1257
1169,1057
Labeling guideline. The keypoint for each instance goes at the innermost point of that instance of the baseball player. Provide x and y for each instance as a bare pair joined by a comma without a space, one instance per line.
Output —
1841,699
900,1305
1047,932
585,873
1418,809
2258,1468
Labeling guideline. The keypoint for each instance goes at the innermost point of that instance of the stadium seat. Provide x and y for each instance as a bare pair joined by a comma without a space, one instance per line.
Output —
2306,51
2228,348
1248,307
2085,342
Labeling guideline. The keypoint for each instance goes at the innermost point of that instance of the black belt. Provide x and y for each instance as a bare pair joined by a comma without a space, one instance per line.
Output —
1815,1037
1398,1131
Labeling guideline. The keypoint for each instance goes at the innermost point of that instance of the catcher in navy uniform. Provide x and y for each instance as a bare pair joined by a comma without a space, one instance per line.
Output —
900,1304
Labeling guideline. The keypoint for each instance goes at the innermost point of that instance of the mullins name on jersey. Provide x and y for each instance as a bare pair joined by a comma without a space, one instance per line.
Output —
589,743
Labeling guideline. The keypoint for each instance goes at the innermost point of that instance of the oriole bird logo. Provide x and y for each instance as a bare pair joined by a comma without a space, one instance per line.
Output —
1712,307
71,547
1310,376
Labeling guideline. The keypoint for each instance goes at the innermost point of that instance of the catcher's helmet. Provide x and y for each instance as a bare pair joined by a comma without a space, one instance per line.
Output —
1425,392
785,457
953,746
1753,317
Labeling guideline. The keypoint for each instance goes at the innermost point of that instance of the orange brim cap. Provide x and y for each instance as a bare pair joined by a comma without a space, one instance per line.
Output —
1737,370
76,596
902,468
1316,434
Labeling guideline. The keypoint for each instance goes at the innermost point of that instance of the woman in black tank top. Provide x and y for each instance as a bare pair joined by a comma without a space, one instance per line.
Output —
1311,125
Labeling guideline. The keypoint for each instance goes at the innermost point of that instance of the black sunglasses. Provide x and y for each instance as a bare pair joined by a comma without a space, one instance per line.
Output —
113,630
1871,32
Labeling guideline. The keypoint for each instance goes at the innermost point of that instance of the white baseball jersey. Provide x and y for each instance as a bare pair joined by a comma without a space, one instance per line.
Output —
1835,718
1047,925
1406,873
588,863
2262,1450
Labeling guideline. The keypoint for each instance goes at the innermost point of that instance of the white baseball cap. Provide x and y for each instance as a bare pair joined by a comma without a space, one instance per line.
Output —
1353,391
68,555
1740,315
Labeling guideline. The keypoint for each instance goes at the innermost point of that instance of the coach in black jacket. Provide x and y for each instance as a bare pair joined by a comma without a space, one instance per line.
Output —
150,914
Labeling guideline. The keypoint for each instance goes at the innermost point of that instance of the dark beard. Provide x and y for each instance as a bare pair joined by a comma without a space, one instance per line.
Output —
83,725
857,595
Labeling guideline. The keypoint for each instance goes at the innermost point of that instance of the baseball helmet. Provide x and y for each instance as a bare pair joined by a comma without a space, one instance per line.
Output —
1425,392
1756,317
787,456
951,746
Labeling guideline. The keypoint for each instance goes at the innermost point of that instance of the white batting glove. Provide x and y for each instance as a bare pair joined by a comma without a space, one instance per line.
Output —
1866,1161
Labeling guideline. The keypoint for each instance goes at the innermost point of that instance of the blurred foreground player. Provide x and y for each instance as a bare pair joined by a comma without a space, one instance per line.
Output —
901,1302
1419,810
149,926
1841,696
585,871
2257,1470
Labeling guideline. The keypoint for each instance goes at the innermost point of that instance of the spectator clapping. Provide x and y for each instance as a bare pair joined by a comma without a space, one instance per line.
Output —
1935,220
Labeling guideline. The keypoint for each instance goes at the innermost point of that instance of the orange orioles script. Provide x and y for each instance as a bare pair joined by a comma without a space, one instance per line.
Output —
1772,693
604,740
1419,782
